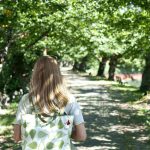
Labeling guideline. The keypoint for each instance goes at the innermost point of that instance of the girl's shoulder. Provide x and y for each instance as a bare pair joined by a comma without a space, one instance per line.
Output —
72,103
72,99
25,96
25,99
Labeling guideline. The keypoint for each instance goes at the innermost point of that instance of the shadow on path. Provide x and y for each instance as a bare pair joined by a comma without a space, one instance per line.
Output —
111,122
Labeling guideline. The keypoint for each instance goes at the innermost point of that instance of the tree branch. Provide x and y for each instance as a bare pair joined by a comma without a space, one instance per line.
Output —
38,39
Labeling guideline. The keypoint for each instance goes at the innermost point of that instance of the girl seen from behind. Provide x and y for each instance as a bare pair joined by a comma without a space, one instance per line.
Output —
47,95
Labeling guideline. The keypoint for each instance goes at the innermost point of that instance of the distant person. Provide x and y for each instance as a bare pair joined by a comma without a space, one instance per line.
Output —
48,92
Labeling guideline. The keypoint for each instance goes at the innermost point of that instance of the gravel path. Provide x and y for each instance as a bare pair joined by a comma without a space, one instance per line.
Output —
111,123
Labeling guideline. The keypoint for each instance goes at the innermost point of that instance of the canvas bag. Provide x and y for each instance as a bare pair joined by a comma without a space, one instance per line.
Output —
46,133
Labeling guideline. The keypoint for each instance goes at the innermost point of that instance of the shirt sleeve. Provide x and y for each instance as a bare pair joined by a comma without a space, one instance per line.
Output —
23,108
73,108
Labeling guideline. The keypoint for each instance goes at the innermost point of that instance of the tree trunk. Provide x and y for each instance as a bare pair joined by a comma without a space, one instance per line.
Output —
112,67
145,84
75,66
102,66
83,64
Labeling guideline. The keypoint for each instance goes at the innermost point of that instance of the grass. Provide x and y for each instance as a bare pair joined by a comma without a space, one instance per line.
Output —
131,95
7,117
96,78
127,92
146,115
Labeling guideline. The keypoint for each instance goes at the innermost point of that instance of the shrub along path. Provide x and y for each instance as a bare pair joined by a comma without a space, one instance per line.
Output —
111,119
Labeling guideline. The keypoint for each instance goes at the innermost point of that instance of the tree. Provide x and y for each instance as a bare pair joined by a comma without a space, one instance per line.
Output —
145,85
102,65
71,29
133,17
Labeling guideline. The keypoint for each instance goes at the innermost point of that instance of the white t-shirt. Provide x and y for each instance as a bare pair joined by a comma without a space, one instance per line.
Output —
72,108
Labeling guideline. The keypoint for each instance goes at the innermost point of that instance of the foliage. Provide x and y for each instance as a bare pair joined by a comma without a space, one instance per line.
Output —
69,29
131,65
146,115
7,118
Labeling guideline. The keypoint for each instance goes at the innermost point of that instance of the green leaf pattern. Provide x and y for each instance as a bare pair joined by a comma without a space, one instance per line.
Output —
49,145
33,145
41,134
60,124
59,134
61,143
26,134
32,133
24,124
52,135
52,124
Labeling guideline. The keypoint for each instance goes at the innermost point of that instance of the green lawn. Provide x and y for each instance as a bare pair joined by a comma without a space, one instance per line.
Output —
7,117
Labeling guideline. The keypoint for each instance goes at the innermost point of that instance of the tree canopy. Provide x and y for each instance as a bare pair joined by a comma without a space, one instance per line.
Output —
69,29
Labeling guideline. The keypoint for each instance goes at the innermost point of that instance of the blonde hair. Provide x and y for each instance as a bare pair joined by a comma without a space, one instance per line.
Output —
47,86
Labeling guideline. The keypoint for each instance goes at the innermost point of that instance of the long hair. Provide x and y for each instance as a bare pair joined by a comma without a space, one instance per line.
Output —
47,86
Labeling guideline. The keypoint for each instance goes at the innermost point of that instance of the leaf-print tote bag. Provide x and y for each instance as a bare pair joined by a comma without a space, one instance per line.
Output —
52,134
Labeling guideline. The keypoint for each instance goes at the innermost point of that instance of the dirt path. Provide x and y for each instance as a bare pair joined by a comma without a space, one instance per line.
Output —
111,123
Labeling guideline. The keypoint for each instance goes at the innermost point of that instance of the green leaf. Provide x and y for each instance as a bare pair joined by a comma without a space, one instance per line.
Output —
59,134
26,134
24,124
32,133
42,134
52,124
24,143
60,124
49,145
33,145
61,144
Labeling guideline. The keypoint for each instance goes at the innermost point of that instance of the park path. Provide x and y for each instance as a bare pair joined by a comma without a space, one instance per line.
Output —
110,122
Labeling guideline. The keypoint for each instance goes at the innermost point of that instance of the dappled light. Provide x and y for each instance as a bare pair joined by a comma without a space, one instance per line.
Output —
111,122
102,48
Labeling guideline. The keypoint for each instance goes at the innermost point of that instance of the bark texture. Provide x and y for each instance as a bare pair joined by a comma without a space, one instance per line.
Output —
145,84
102,66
